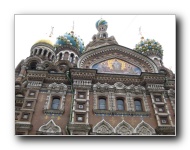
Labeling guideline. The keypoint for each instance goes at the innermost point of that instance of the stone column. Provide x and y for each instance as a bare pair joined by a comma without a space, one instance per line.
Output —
95,100
87,106
146,106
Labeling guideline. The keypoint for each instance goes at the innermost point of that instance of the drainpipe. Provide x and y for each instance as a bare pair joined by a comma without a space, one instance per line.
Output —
72,91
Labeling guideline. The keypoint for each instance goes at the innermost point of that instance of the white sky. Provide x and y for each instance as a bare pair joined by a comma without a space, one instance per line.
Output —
125,28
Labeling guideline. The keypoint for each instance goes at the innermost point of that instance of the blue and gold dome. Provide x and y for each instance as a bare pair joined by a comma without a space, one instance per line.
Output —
101,22
70,39
149,47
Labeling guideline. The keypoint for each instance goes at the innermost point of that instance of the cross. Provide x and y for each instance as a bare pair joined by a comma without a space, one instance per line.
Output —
102,116
46,117
142,118
73,26
122,117
133,121
52,116
58,118
112,120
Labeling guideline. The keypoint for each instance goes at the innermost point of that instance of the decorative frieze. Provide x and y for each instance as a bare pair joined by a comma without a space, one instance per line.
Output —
34,84
155,87
82,83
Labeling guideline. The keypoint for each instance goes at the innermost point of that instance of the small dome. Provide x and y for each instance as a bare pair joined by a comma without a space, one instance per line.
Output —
70,39
149,47
101,22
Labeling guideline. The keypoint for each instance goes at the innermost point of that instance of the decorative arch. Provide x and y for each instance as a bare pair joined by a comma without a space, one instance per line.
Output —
50,128
166,71
34,58
103,127
124,128
144,128
101,54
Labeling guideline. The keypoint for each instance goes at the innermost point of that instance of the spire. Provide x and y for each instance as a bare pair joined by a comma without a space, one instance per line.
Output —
51,33
72,31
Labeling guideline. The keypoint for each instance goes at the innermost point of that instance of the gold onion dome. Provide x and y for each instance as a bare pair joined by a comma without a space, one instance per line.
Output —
45,41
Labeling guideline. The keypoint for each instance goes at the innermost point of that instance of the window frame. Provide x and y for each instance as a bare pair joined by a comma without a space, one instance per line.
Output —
55,98
164,118
80,115
120,99
81,93
102,98
141,106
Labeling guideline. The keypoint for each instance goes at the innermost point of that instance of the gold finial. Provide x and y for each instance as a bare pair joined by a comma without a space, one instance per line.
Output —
140,33
72,31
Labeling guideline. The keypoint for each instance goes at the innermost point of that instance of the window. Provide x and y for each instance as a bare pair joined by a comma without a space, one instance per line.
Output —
16,116
72,58
55,103
25,116
29,104
164,120
33,65
138,106
31,93
81,95
81,106
80,118
161,109
158,98
102,103
120,104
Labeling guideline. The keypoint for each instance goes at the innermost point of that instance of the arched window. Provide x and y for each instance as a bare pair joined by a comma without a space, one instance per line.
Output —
60,56
72,58
45,52
35,51
33,65
102,103
49,55
53,57
138,105
40,51
55,103
66,55
120,104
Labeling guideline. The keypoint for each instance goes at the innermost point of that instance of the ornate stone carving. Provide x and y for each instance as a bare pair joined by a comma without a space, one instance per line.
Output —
155,87
50,127
124,128
171,93
103,127
59,87
144,128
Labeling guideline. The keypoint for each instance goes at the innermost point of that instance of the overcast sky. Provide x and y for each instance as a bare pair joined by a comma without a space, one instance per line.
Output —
125,29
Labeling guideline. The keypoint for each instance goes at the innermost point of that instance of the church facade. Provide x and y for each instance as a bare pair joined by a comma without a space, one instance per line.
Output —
101,89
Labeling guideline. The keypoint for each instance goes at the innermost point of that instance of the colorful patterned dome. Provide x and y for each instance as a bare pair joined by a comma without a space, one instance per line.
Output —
70,39
149,47
101,22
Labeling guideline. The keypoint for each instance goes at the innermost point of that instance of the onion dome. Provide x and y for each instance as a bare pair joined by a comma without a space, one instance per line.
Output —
70,39
44,41
149,47
101,22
